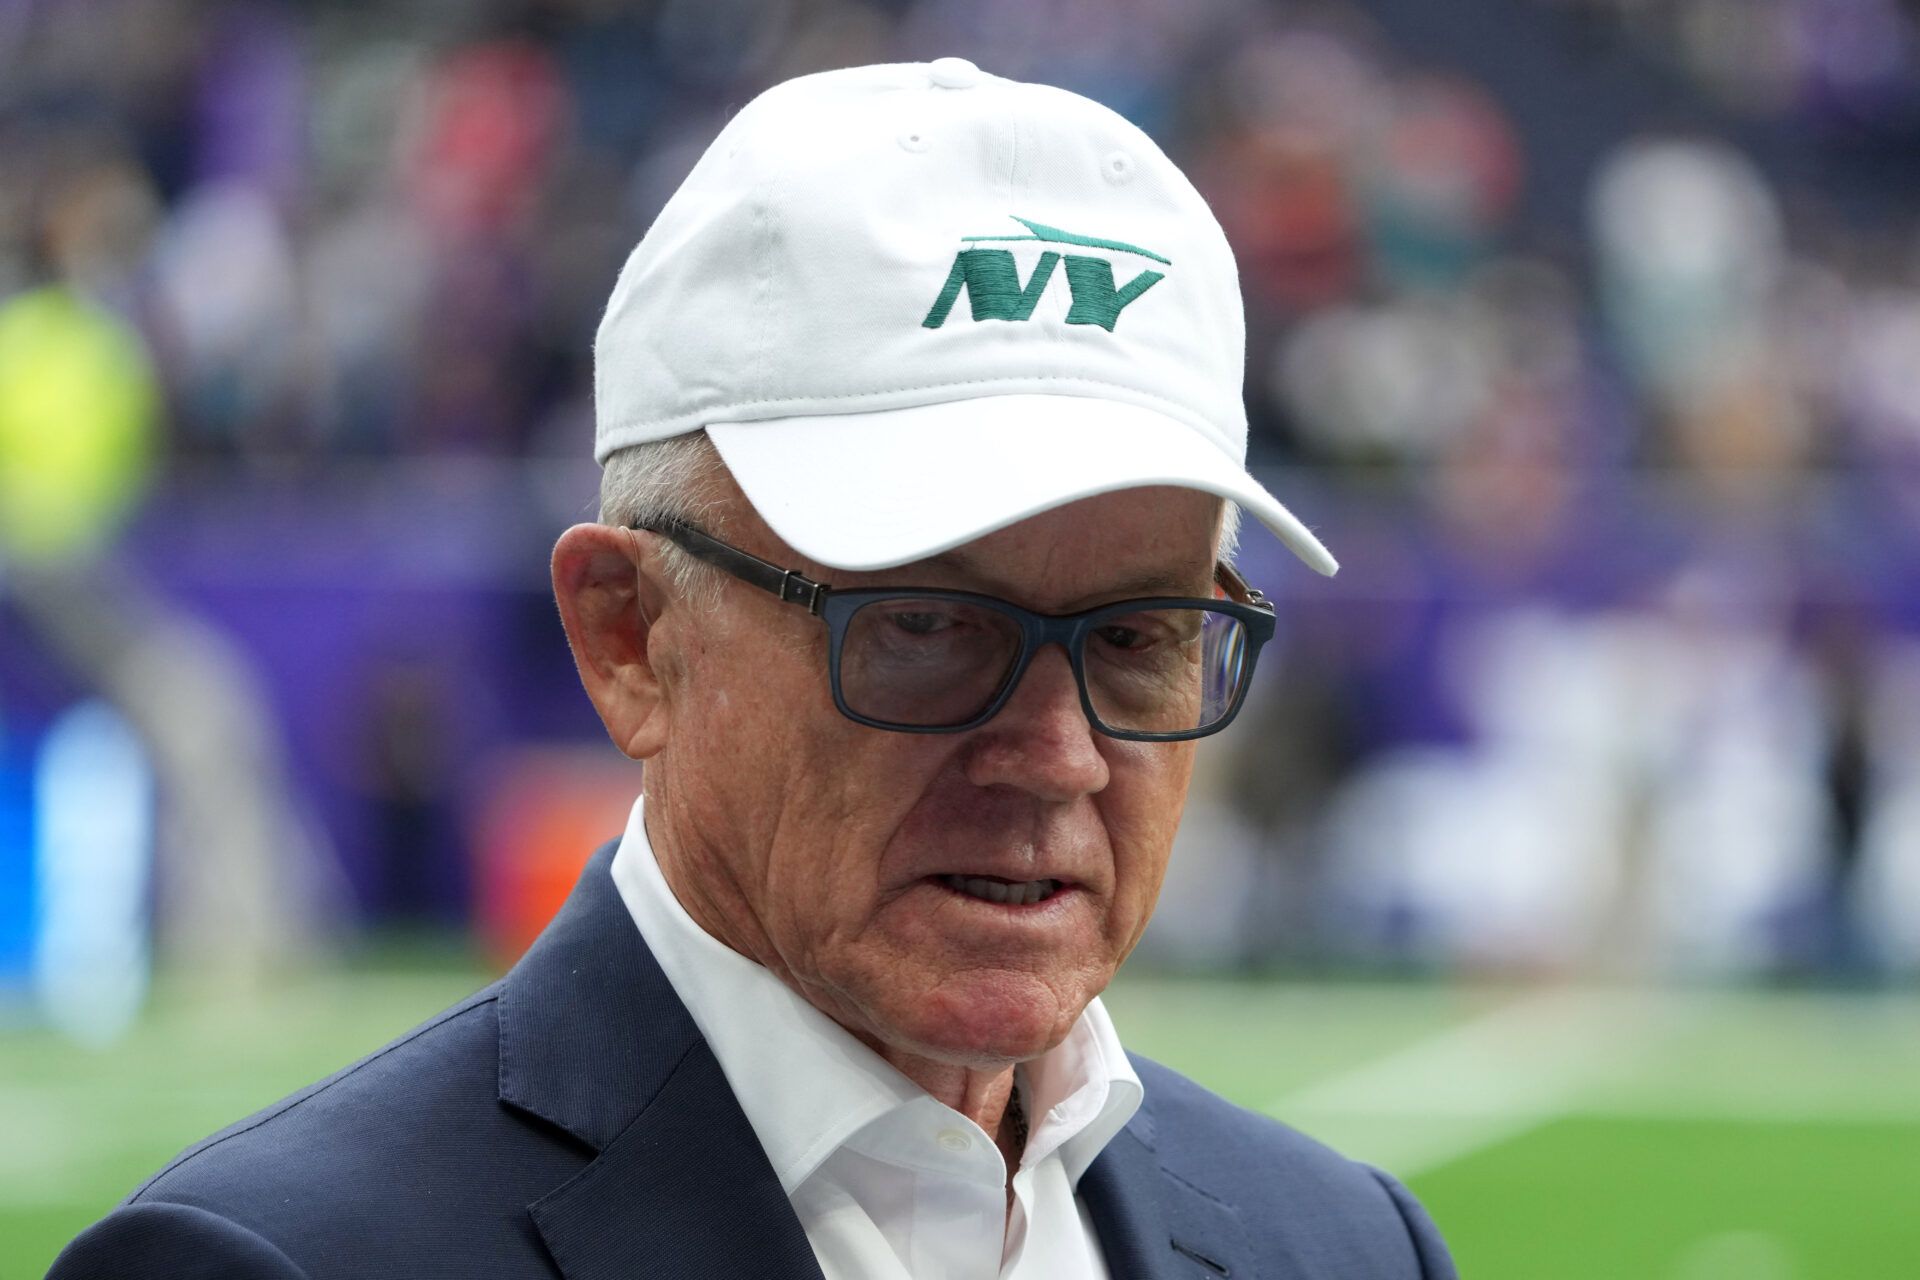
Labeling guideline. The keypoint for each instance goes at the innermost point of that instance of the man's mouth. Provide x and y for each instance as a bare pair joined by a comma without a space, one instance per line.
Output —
1013,893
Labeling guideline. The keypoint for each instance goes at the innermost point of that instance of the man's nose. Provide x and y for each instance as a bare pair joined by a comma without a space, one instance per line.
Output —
1041,741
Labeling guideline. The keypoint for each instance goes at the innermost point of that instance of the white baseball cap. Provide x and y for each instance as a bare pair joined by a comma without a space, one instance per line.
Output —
912,304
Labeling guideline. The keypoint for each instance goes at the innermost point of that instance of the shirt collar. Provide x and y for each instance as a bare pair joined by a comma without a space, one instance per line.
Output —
807,1085
1080,1093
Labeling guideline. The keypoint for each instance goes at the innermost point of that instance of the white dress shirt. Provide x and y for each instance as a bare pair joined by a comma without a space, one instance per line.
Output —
888,1182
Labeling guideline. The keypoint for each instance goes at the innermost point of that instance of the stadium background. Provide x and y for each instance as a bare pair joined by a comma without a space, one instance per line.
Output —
1567,859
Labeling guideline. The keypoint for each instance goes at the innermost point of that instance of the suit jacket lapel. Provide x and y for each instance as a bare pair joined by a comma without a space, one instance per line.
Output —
1154,1225
685,1190
594,1040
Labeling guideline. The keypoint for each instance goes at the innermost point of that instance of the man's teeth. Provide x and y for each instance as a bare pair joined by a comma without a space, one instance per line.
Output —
1018,895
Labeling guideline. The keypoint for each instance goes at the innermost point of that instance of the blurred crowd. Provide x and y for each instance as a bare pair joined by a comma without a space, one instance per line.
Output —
1622,671
1842,66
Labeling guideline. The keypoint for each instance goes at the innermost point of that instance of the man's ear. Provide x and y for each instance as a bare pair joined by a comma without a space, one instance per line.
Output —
610,599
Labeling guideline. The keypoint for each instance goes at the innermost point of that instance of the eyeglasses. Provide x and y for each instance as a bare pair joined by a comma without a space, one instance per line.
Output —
923,660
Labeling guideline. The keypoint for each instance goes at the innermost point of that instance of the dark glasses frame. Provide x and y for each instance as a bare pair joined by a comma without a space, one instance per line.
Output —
836,606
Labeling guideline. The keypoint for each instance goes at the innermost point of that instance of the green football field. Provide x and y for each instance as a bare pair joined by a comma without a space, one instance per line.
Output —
1554,1133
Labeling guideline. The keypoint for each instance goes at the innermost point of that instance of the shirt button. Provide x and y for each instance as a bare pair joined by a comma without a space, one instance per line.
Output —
953,73
954,1140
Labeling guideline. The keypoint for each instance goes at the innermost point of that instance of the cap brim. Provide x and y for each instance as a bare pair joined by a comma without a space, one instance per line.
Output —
863,491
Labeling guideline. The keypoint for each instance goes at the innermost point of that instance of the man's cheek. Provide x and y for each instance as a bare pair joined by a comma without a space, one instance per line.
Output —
1144,816
1142,848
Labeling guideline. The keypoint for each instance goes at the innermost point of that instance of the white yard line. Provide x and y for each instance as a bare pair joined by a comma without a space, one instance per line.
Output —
1727,1108
1475,1085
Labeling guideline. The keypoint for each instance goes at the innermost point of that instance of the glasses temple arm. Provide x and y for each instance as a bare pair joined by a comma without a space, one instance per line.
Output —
788,584
1237,588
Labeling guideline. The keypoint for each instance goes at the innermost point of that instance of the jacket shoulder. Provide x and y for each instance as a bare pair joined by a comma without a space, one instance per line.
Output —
1275,1179
405,1156
426,1060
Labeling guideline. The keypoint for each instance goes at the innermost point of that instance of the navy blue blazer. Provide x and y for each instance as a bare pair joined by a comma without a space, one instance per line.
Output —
571,1121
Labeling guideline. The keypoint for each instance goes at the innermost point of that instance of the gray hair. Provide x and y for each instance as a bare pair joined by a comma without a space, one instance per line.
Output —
671,479
1229,545
674,479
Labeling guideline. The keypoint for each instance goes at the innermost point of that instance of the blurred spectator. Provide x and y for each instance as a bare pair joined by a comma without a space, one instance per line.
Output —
77,405
80,418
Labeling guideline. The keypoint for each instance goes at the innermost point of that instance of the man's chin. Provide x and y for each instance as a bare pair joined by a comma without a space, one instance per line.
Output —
981,1021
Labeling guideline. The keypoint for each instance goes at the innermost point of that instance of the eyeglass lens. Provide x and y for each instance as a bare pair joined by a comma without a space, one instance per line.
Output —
930,662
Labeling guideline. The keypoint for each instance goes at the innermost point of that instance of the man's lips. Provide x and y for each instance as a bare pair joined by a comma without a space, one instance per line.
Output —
1012,893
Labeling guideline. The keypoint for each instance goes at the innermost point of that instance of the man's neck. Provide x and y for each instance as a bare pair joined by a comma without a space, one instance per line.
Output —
981,1095
988,1098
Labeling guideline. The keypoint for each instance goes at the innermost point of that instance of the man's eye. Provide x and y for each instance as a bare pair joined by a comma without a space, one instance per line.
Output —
921,623
1125,639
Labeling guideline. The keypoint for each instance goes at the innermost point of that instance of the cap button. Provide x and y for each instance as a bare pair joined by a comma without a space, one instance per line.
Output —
953,73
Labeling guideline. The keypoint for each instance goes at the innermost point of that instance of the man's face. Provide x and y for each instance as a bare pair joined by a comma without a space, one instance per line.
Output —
827,850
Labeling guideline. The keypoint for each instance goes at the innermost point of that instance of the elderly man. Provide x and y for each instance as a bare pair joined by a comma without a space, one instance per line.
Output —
915,611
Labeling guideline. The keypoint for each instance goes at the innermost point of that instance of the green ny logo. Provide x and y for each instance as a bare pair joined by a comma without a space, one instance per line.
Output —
994,291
